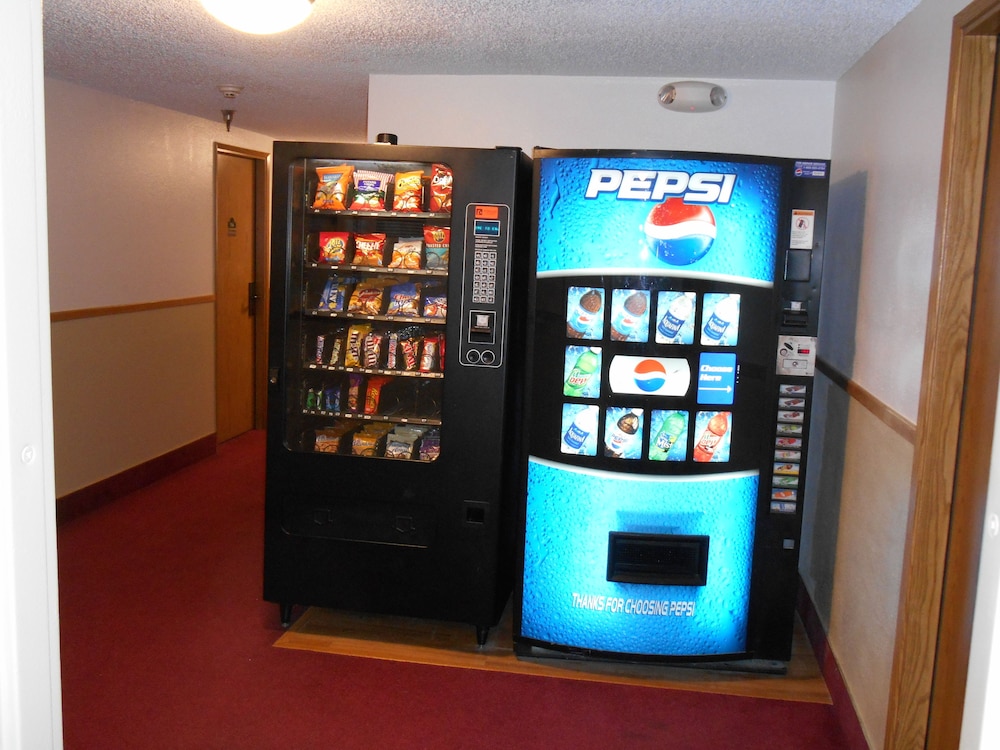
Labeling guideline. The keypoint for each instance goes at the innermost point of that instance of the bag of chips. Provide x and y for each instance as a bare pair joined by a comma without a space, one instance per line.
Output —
369,250
333,296
369,190
367,298
441,179
406,253
331,191
409,194
333,247
404,300
436,243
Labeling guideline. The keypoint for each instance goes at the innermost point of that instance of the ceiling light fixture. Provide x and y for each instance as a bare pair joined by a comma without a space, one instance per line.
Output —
692,96
230,91
259,16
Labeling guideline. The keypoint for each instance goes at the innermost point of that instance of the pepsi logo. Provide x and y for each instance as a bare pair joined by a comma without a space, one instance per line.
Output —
680,233
656,376
649,375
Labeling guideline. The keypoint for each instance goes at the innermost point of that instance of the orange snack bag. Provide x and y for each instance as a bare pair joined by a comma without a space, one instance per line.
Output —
409,194
334,182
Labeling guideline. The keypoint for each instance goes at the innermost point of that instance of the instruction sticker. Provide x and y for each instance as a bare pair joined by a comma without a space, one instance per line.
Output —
803,223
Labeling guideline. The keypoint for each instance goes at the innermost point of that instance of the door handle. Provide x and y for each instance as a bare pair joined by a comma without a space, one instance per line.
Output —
252,298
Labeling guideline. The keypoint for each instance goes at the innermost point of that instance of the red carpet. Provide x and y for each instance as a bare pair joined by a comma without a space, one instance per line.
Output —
166,643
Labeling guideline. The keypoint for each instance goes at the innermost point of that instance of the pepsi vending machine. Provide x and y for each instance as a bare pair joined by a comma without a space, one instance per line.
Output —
672,344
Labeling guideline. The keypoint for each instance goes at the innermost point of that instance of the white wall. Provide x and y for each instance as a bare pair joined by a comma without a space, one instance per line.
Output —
887,139
131,221
981,728
30,697
888,132
131,198
771,118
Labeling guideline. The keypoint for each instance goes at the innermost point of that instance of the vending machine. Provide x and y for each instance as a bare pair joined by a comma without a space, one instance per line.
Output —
397,314
672,341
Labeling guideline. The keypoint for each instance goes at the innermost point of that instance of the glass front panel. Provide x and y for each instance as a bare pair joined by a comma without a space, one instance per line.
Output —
368,304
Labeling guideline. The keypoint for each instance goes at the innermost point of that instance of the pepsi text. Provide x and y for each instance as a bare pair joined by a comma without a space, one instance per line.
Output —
655,185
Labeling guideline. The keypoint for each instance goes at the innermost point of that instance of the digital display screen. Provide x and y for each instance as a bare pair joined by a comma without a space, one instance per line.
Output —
486,228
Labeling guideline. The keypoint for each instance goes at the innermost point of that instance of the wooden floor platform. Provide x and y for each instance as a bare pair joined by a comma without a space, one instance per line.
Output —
454,645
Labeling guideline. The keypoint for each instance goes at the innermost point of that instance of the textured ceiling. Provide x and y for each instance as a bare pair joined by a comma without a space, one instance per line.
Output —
312,82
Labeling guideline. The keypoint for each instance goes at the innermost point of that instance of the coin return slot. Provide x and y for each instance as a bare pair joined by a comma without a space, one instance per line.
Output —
663,559
475,512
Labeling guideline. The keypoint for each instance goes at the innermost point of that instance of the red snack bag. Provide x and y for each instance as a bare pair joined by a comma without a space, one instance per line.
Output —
374,393
369,250
333,247
441,179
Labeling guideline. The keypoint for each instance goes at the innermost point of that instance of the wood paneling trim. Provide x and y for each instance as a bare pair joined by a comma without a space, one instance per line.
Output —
82,501
963,163
96,312
882,411
972,473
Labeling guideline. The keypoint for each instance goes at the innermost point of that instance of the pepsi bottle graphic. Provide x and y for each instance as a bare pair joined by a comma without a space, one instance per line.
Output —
622,434
627,323
705,449
583,316
584,424
726,312
582,372
676,315
673,426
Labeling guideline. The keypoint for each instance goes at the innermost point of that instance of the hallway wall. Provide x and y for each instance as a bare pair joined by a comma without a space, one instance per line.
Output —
131,201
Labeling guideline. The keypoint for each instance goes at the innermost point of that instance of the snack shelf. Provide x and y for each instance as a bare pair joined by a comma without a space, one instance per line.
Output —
410,320
381,214
376,270
376,371
422,421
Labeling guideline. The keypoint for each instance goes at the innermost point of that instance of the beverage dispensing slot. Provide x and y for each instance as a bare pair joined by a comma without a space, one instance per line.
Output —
662,559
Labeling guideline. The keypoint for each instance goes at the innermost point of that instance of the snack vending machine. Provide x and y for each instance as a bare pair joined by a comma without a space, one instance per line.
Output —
672,344
398,291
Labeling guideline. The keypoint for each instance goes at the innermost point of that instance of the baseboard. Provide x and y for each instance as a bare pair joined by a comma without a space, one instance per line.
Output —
843,707
83,501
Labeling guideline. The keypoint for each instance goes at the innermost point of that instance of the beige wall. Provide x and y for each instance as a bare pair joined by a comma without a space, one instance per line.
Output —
888,130
131,222
130,387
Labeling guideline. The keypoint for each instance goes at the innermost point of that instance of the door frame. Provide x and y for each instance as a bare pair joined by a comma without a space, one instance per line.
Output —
943,541
262,275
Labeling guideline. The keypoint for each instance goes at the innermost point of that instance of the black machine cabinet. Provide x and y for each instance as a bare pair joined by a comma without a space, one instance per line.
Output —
397,314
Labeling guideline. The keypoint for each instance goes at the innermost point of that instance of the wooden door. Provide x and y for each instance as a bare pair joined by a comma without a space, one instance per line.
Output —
235,303
957,406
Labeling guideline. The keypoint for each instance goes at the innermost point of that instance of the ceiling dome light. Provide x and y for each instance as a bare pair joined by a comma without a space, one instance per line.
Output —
259,16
